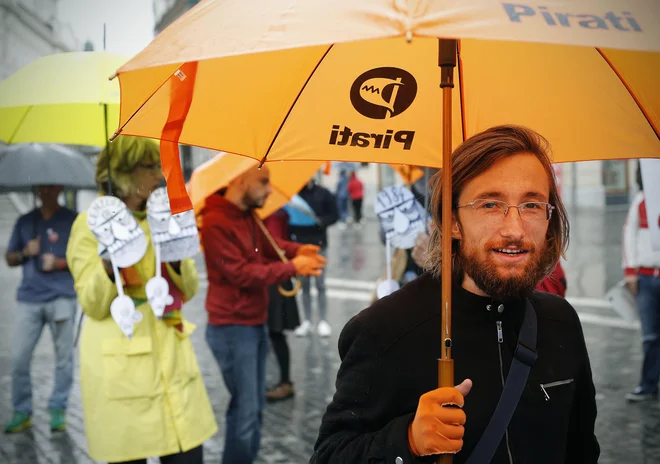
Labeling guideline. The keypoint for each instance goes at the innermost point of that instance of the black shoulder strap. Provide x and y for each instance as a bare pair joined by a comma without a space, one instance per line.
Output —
523,359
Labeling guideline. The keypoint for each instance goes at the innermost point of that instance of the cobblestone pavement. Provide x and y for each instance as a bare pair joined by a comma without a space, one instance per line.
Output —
628,433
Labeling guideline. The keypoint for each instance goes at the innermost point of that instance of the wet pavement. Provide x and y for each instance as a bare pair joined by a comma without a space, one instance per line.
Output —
627,433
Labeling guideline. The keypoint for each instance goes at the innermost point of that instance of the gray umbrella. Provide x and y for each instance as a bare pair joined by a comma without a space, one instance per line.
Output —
25,165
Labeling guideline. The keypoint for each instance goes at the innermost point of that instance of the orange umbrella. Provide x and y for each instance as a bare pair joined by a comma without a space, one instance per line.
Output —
286,179
358,81
409,174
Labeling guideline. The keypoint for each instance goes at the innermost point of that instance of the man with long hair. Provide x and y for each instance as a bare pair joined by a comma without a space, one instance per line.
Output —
509,229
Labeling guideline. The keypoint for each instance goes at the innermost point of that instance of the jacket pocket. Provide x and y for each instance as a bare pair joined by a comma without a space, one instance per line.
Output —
129,368
551,387
186,353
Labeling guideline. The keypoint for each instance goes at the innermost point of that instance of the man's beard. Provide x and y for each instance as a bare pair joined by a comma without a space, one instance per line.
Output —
252,203
484,272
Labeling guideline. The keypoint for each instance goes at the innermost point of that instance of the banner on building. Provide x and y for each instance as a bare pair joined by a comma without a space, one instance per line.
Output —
650,175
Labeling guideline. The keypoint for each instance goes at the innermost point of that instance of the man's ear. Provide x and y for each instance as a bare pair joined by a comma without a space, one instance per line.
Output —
456,228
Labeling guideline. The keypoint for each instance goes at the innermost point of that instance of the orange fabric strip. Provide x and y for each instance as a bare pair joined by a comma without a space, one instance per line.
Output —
181,93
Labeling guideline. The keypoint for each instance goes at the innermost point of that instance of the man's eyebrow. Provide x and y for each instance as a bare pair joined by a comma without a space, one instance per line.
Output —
489,194
536,196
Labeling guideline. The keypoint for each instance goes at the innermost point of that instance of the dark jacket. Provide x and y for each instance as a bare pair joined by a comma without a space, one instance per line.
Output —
389,358
240,264
324,204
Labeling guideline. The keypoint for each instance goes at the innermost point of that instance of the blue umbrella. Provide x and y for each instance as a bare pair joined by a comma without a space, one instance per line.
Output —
300,213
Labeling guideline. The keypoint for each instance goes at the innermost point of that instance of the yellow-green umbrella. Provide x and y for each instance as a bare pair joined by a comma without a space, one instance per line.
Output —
63,98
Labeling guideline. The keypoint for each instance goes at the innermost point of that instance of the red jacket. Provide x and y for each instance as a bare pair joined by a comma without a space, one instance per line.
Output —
355,188
240,264
555,283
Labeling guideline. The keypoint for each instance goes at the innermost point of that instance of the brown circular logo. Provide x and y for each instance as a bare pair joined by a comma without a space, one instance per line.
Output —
382,93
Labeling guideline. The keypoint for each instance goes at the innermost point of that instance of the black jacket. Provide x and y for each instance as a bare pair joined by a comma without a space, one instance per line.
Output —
389,358
324,204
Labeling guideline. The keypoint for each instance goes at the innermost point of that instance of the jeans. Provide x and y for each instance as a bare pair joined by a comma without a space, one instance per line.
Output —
241,352
307,294
648,304
342,206
59,315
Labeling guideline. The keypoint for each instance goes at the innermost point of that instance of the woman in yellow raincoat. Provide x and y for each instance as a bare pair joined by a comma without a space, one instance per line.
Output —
145,396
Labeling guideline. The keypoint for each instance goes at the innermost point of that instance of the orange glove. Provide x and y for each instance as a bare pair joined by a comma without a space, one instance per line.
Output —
307,265
438,429
308,250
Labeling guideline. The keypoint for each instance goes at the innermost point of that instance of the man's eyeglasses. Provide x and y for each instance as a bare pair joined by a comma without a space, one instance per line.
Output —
531,211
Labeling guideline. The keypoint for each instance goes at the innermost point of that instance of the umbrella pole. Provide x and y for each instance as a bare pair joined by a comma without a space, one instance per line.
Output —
447,62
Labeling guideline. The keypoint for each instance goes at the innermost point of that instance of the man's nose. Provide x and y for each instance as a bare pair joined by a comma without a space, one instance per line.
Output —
512,224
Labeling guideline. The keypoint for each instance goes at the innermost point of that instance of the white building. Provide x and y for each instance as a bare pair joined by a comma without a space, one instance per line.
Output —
30,29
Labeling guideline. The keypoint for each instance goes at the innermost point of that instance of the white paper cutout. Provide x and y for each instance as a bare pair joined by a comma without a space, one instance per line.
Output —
120,236
158,289
401,216
123,242
122,307
389,285
176,234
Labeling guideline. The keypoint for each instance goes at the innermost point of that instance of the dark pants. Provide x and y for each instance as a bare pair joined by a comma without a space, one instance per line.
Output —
648,304
241,352
281,349
357,210
193,456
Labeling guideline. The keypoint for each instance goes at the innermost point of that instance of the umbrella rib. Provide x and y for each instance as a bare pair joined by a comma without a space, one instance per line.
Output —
630,92
120,130
461,92
18,126
302,89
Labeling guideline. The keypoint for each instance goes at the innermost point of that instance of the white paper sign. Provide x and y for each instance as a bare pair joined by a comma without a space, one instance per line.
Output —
176,234
651,180
401,216
118,233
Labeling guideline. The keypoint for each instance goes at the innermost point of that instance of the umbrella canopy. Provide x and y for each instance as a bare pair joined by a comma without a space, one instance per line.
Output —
26,165
300,213
61,98
358,81
409,174
286,179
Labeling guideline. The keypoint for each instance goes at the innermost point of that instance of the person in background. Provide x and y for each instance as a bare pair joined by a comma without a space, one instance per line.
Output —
342,198
145,396
282,315
356,192
641,266
241,266
45,297
324,205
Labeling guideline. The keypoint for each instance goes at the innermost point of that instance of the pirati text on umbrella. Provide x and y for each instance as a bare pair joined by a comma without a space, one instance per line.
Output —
588,21
363,139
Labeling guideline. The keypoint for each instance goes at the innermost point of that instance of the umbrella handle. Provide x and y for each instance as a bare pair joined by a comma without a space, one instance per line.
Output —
283,258
290,293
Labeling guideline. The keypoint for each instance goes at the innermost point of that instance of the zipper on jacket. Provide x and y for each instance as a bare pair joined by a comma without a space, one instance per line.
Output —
500,340
553,384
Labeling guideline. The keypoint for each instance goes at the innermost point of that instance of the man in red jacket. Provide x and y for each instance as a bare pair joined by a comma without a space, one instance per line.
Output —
241,264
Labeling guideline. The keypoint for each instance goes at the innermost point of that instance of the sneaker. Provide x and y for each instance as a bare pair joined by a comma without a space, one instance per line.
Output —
57,420
282,392
638,395
303,329
19,422
324,329
342,226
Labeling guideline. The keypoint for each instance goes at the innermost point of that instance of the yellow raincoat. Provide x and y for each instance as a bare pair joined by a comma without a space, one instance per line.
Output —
141,397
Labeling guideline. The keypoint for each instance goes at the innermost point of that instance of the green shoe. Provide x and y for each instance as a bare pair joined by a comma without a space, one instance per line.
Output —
57,420
21,421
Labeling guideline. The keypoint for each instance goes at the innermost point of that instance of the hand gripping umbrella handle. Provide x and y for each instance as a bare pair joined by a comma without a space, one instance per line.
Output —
280,252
